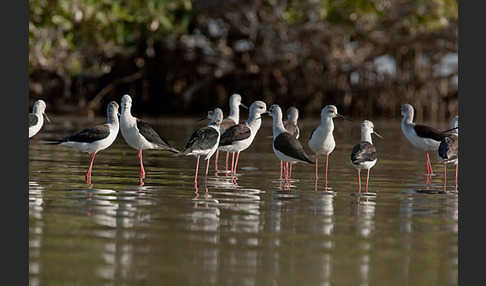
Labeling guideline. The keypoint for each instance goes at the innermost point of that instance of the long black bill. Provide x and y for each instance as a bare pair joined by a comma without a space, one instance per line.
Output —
374,132
343,118
450,129
47,118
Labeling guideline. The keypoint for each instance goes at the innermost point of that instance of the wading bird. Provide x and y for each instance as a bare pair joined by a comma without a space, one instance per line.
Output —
36,118
363,155
449,148
139,134
421,136
205,141
293,128
232,119
240,136
285,146
92,140
322,140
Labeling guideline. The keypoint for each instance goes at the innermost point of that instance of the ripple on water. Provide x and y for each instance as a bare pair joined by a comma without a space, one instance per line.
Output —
167,230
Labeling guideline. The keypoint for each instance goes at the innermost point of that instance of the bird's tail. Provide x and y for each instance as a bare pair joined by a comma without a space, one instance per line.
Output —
169,148
308,160
182,153
50,142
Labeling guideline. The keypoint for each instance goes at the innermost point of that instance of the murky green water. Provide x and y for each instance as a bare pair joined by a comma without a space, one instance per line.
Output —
166,233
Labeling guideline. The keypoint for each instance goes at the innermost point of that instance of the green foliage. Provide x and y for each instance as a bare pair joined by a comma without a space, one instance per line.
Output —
428,14
308,49
70,35
63,33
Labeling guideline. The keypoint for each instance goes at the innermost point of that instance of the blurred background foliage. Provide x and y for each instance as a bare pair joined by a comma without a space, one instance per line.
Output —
180,56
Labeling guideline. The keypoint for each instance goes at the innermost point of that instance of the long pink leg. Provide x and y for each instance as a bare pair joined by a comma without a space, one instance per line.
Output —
445,177
317,166
456,176
207,167
429,168
236,163
216,161
290,171
232,162
426,163
227,155
283,176
88,174
281,167
197,170
286,172
359,180
429,165
367,178
142,170
327,159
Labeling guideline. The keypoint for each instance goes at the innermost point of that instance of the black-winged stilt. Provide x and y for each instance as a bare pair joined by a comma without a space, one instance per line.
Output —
322,140
36,118
291,123
139,134
285,146
240,136
92,140
421,136
205,141
232,119
363,155
449,148
293,128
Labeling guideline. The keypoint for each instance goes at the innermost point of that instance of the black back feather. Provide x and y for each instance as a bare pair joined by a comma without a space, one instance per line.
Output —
363,152
236,132
149,133
89,135
449,147
202,139
429,132
288,145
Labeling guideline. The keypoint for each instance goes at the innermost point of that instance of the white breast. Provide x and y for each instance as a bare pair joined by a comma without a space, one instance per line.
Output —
284,157
242,145
34,129
132,136
365,165
425,144
96,146
322,141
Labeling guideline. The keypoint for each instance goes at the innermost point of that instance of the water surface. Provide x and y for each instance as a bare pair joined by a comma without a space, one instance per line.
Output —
256,233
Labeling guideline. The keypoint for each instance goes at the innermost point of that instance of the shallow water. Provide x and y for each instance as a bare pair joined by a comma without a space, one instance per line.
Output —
256,233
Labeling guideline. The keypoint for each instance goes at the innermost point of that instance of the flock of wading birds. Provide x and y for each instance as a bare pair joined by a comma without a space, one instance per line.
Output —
230,135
